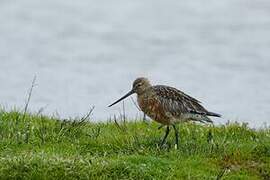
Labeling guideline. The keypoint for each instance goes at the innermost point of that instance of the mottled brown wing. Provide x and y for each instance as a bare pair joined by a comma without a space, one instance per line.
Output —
177,102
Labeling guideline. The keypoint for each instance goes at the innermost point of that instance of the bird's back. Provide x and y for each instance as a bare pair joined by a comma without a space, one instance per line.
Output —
164,103
177,102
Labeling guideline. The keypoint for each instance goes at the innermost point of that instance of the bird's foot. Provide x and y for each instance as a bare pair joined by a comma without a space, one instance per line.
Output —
163,145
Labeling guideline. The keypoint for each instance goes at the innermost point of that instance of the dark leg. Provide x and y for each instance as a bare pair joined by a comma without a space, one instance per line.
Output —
176,136
166,135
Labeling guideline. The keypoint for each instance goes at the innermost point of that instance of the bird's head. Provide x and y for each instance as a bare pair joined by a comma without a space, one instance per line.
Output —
139,86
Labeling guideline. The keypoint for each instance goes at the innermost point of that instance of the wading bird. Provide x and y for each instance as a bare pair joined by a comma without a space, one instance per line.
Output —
167,105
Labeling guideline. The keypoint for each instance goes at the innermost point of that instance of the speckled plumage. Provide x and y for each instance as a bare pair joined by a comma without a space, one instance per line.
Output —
167,105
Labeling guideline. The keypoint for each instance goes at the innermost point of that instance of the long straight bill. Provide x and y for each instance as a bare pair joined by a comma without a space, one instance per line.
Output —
124,97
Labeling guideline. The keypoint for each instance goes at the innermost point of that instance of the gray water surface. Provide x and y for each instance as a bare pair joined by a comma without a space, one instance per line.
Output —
88,53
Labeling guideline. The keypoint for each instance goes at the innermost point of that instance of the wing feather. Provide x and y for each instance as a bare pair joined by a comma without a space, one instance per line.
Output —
177,102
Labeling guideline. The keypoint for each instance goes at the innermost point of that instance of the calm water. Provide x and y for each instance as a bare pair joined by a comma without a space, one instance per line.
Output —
88,53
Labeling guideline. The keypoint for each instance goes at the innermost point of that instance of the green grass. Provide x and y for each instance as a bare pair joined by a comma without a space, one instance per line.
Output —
40,147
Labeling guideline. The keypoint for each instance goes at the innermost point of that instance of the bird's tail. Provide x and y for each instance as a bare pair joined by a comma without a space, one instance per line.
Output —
213,114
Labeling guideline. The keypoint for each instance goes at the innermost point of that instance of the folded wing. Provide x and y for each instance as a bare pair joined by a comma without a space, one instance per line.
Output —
177,102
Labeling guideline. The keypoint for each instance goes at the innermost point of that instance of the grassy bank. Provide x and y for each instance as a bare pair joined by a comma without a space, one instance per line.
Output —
39,147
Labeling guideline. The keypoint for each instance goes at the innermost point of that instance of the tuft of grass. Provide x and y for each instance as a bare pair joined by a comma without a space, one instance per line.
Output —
34,146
